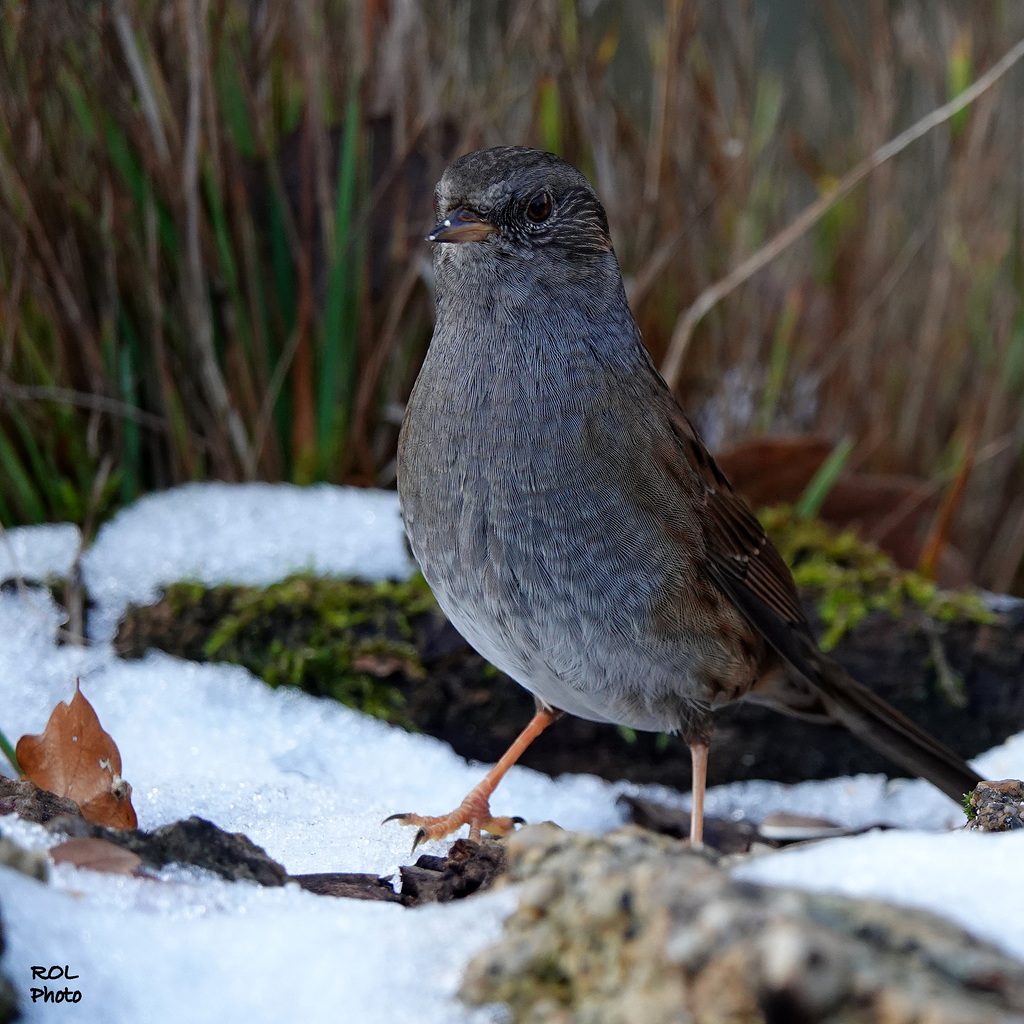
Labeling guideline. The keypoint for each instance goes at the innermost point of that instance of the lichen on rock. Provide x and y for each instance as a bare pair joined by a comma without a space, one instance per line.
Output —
996,806
631,928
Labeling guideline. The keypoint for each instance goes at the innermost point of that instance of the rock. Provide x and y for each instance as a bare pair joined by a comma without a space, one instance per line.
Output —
8,995
724,835
721,834
997,806
351,885
28,862
633,927
29,802
469,867
194,841
200,842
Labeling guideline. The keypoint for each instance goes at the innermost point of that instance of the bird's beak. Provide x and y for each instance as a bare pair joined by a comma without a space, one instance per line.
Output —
461,225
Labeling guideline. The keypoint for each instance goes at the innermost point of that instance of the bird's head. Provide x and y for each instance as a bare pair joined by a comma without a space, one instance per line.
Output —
518,206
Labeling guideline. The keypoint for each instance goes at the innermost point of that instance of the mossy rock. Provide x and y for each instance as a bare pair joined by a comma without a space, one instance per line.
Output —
847,579
337,638
386,648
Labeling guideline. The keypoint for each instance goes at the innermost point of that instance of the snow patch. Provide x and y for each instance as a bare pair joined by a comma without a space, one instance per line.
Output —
310,781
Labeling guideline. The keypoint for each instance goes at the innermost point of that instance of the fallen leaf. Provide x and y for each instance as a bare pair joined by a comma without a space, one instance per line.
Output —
96,855
74,757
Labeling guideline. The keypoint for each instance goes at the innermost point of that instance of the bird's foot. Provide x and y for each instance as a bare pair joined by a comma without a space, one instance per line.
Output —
474,811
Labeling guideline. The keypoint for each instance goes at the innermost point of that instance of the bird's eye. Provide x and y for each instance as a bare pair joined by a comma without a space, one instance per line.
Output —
540,208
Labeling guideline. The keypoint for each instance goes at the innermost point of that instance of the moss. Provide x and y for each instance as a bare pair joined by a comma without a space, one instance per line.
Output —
969,809
340,638
364,644
849,578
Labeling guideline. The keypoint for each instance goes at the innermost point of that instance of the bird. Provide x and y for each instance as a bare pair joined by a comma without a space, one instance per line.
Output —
567,515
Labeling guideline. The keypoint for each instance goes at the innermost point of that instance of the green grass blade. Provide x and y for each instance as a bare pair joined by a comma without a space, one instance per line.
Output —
778,360
8,751
130,168
282,269
959,75
1011,372
233,107
131,456
549,115
77,101
281,301
225,251
43,470
6,514
336,382
818,489
17,486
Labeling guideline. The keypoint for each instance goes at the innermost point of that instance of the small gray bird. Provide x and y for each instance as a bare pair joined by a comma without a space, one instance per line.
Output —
568,517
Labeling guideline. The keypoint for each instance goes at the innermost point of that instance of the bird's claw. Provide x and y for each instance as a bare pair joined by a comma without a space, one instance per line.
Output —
408,818
473,811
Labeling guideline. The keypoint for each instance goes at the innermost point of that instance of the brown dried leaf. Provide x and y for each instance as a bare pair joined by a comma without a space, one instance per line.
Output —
74,757
96,855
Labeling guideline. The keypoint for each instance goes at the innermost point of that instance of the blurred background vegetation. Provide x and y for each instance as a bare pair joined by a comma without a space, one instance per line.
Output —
212,213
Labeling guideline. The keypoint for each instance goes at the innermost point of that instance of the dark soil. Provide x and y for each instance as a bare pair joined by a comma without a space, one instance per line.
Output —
479,716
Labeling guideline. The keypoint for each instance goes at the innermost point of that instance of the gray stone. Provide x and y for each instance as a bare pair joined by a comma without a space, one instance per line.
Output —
633,928
8,996
997,806
194,841
30,803
29,862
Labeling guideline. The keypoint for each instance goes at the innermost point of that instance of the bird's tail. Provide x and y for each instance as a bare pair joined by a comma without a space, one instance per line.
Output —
888,731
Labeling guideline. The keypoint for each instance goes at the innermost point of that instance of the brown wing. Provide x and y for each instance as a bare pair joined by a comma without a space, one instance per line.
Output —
742,559
749,570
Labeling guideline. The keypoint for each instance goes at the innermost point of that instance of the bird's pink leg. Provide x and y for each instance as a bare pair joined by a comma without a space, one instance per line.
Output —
475,810
699,762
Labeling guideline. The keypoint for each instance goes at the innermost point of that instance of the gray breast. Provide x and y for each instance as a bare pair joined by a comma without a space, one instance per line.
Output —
529,552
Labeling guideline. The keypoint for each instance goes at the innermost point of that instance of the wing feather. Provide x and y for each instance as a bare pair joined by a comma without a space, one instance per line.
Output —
744,562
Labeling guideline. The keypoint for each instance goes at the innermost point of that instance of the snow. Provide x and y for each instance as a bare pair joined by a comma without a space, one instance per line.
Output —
38,552
192,950
311,781
970,877
241,533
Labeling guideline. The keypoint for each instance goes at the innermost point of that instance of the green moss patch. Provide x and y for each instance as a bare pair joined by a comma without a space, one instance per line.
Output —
339,638
849,578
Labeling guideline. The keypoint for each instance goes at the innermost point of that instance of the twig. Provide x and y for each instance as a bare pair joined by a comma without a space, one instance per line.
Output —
147,98
683,331
84,400
938,535
194,294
